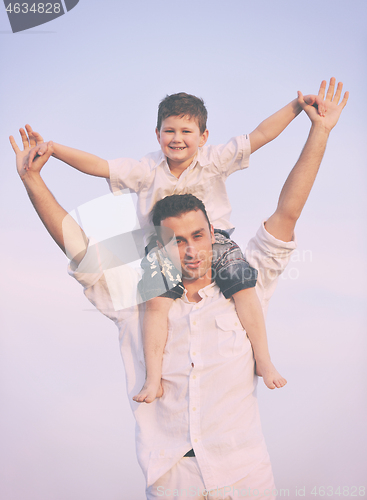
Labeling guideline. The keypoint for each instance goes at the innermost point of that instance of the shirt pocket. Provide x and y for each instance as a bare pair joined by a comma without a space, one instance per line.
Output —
232,338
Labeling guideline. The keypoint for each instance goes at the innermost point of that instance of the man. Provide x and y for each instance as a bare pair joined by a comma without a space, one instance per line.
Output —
203,438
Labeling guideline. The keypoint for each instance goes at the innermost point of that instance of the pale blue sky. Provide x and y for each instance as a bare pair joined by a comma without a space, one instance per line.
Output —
92,79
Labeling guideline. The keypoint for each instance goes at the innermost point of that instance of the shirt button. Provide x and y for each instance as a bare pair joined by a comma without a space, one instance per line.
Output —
195,440
194,377
236,324
194,409
194,323
194,353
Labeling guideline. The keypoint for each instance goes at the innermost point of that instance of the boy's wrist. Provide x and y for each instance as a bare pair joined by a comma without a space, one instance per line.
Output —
55,150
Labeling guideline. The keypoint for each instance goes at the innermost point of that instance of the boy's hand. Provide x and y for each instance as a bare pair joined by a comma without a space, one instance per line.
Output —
330,104
29,160
316,101
37,140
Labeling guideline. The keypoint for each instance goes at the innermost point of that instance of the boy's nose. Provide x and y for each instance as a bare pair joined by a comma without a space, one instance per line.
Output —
177,137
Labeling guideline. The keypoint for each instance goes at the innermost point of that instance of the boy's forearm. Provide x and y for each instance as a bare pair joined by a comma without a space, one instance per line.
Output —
85,162
270,128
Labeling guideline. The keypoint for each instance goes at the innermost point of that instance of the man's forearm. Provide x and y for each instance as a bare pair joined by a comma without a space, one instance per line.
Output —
302,177
270,128
61,226
85,162
298,185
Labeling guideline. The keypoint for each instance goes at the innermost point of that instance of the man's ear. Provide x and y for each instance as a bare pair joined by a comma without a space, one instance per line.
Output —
212,233
204,138
158,135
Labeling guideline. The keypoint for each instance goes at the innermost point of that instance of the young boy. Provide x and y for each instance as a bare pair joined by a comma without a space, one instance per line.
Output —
185,165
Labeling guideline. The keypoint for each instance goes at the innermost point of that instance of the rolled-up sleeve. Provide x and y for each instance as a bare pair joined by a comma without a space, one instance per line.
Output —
108,284
270,257
233,156
126,173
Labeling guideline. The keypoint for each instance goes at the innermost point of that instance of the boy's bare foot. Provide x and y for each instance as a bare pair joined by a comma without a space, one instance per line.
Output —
149,392
272,378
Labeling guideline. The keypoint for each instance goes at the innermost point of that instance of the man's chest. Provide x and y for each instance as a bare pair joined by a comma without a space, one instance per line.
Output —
204,335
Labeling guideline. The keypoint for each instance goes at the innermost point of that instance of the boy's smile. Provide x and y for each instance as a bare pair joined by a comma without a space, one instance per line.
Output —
180,138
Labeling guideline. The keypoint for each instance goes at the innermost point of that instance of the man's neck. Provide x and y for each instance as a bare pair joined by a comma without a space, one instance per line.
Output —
193,286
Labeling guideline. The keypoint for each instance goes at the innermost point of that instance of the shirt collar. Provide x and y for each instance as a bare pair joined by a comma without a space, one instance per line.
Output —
208,291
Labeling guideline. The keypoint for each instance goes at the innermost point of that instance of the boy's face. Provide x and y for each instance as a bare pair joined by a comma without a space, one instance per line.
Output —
180,138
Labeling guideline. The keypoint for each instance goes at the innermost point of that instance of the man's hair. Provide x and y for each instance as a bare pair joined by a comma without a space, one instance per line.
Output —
183,104
176,205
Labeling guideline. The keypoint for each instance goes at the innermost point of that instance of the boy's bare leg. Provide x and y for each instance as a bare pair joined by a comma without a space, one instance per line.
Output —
155,330
251,316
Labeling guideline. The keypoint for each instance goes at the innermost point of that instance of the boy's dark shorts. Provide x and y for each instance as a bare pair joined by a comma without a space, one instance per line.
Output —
231,271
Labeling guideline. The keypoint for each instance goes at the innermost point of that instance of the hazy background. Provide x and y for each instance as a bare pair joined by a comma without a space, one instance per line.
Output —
92,79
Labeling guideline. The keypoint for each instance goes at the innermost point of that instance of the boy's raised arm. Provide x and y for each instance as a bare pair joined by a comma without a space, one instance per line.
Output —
61,226
270,128
84,162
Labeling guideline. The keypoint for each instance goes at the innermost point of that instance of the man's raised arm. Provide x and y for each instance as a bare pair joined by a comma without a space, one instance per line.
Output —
61,226
300,181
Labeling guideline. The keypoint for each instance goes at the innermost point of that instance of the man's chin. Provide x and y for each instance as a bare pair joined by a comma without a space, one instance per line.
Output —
194,276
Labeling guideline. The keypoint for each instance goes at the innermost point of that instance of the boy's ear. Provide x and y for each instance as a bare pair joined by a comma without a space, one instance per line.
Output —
158,135
204,138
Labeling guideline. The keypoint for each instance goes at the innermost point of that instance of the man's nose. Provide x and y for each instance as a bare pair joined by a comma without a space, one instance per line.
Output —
190,252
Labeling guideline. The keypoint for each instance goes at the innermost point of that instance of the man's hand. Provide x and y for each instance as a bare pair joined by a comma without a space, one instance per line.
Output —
316,101
329,106
29,160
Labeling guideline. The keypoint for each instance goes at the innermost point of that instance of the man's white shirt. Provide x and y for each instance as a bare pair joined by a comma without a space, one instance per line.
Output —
209,402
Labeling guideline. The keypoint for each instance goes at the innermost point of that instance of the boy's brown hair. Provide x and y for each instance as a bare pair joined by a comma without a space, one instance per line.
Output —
183,104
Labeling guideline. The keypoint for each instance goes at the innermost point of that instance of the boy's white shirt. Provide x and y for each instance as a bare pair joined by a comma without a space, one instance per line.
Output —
151,179
211,406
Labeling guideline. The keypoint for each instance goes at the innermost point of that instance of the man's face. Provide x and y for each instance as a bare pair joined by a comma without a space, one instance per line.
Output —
180,138
194,240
